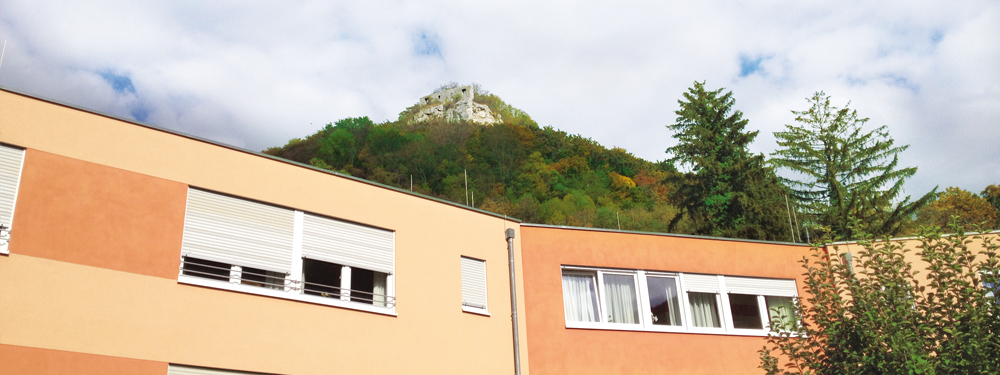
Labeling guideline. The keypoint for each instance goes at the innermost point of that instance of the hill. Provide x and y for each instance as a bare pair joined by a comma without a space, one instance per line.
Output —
514,167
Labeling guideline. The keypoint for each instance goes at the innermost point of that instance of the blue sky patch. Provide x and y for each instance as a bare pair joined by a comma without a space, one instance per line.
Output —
426,44
749,65
120,83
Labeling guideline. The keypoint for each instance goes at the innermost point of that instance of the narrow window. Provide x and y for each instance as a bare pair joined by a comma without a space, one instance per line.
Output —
368,286
473,283
704,310
663,301
321,278
781,313
262,278
206,269
620,299
580,297
746,311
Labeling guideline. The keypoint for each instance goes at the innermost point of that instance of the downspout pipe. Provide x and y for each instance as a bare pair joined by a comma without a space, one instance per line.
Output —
513,300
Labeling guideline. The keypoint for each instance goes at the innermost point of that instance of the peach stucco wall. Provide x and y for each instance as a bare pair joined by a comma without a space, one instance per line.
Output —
555,349
21,360
55,295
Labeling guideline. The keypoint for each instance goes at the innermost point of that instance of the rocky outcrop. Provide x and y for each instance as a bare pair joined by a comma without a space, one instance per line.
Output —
455,104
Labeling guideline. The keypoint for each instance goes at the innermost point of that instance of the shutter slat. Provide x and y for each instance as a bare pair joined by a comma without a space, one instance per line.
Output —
473,282
759,286
11,160
701,283
348,244
238,231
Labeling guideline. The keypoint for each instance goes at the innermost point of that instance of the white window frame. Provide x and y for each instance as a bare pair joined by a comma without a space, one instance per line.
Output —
294,277
5,234
485,310
645,316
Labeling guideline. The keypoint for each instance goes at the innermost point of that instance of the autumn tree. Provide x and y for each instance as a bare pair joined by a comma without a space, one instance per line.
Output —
992,194
729,192
955,203
841,172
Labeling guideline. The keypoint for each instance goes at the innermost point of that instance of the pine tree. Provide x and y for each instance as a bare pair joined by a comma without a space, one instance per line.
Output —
846,175
729,192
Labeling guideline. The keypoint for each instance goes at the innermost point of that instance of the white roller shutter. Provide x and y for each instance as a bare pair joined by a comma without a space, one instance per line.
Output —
189,370
473,283
11,160
757,286
238,231
347,244
701,283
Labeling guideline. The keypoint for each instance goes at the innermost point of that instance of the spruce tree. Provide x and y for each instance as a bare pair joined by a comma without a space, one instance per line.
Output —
729,191
845,174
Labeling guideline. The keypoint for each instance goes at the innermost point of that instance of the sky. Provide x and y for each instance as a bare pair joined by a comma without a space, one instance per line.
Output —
255,74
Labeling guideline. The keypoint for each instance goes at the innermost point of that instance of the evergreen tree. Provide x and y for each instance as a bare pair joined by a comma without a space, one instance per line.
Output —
729,192
846,174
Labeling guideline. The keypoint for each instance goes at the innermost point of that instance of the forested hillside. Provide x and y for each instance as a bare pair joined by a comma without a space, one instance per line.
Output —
516,168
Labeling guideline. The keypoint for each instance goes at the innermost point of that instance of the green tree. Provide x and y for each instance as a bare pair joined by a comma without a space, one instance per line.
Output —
842,173
875,314
992,194
729,191
956,204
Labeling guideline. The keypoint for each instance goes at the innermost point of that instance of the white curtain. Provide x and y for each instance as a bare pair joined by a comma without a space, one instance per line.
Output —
379,290
672,304
704,312
580,298
620,297
781,311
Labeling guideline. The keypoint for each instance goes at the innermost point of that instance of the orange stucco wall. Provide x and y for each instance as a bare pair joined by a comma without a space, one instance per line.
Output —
20,360
555,349
86,213
113,291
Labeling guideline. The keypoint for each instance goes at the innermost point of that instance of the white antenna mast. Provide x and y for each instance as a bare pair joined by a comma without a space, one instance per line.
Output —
2,52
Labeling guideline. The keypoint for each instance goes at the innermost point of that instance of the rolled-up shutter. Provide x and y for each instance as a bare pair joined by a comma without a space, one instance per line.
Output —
701,283
11,160
473,283
767,287
190,370
238,231
348,244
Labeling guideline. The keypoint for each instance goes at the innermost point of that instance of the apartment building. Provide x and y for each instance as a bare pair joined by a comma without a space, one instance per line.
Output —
617,302
137,250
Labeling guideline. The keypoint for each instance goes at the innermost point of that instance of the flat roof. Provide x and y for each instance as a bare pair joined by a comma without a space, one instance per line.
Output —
661,234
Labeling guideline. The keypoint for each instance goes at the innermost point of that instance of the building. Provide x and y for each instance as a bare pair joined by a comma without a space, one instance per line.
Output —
136,250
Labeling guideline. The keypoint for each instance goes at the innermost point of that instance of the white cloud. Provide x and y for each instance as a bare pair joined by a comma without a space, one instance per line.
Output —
255,74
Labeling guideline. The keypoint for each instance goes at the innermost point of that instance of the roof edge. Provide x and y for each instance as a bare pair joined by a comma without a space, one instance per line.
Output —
256,153
661,234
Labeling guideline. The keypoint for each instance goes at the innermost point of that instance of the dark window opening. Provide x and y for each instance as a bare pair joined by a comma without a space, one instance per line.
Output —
262,278
206,269
362,285
746,311
321,278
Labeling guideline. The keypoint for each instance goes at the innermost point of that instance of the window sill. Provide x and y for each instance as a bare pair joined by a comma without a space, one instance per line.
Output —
640,328
182,279
477,311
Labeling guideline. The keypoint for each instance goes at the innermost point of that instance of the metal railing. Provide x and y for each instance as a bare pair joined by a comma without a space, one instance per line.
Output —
282,282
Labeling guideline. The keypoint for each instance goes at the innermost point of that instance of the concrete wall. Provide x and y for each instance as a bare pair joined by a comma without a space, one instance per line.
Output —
95,249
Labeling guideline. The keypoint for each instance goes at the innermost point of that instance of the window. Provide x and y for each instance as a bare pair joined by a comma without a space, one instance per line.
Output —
11,162
474,285
237,244
676,302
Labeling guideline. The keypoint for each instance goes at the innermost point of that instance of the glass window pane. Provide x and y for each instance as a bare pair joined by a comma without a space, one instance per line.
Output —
704,310
620,298
663,301
580,297
746,311
781,313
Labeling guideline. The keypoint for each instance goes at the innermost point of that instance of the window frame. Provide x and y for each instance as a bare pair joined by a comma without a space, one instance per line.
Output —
485,310
295,276
640,279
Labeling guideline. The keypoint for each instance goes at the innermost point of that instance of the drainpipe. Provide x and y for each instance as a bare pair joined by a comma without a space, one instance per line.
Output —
513,300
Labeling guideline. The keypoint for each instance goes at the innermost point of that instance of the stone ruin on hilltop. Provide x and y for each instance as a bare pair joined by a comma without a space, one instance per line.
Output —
455,104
